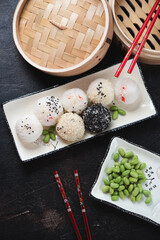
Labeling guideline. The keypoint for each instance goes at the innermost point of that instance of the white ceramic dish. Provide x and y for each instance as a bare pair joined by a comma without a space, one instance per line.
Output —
149,212
24,105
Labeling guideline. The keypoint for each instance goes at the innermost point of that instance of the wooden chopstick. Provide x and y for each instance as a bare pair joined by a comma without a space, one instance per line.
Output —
84,214
119,70
70,213
143,41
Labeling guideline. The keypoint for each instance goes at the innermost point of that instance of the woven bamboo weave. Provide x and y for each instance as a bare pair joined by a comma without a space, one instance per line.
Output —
130,16
61,33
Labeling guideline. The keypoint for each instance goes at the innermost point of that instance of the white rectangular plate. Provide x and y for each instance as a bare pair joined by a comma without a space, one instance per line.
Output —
14,109
150,212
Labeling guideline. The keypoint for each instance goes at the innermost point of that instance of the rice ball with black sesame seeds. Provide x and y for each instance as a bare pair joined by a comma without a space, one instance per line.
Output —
101,91
48,110
74,100
70,127
28,128
96,118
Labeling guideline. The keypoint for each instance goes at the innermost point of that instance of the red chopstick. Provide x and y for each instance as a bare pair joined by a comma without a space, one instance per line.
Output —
119,70
55,173
84,214
143,41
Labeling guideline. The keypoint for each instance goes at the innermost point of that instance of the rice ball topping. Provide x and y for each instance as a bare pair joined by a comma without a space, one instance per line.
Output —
70,127
28,128
48,110
101,91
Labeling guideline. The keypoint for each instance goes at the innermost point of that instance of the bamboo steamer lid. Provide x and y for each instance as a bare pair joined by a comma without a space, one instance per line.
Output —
129,16
63,37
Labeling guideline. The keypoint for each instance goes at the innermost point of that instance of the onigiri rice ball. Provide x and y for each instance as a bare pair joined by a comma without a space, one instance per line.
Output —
101,91
70,127
74,100
48,110
28,128
127,91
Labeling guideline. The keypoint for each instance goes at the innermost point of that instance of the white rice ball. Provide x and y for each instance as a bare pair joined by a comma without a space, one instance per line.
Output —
74,100
70,127
48,110
101,91
127,91
28,128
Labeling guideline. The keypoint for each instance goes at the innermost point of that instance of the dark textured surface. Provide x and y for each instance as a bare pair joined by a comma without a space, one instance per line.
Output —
30,203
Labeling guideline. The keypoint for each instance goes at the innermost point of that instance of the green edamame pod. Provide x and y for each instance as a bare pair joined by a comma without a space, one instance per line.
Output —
115,115
116,157
126,181
126,193
130,188
105,189
113,108
148,200
109,170
121,188
135,192
133,199
121,194
52,136
129,154
133,174
143,166
106,182
114,198
45,132
122,112
125,173
121,152
114,185
46,138
140,187
147,193
127,165
139,197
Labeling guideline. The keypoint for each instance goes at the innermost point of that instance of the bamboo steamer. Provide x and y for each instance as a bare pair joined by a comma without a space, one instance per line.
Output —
129,16
63,37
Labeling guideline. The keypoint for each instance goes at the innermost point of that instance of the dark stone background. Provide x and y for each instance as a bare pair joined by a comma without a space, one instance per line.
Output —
30,203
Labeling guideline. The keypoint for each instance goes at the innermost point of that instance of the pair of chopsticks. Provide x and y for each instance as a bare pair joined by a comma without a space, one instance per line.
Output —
70,213
138,37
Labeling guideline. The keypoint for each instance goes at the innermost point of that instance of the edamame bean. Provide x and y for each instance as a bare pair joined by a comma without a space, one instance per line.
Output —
115,115
134,162
130,188
110,177
116,169
142,180
135,157
46,138
124,160
133,174
115,175
116,157
116,164
143,166
45,132
111,190
135,192
129,154
121,183
125,173
109,170
133,199
114,185
126,192
115,193
121,152
105,189
127,165
118,179
52,136
122,112
147,193
133,180
148,200
139,197
126,181
122,168
113,108
106,182
121,188
140,187
134,185
137,166
121,194
114,198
